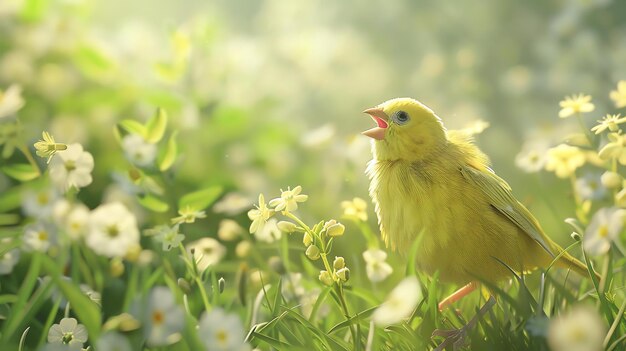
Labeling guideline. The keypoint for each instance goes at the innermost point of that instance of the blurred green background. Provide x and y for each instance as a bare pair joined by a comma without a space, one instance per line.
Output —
267,94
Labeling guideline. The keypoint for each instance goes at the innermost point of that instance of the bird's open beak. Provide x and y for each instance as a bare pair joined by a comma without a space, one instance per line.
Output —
381,118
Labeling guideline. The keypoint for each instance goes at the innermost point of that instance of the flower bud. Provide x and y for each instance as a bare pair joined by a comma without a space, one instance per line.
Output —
183,284
325,278
335,230
611,180
287,227
116,267
243,249
313,252
221,284
339,263
276,264
307,239
343,274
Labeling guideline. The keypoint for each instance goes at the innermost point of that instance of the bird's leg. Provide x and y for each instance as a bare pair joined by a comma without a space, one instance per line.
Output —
456,337
457,295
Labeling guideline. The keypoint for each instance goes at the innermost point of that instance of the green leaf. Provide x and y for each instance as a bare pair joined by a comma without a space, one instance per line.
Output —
153,203
9,219
167,155
93,62
86,310
10,199
272,342
155,128
200,199
353,320
33,10
21,172
133,127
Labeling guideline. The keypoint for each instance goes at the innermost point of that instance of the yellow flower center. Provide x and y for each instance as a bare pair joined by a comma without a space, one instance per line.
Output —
70,165
603,231
221,336
42,198
157,317
113,231
42,235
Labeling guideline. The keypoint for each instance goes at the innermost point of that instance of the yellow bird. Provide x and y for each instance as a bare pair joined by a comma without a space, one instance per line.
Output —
425,179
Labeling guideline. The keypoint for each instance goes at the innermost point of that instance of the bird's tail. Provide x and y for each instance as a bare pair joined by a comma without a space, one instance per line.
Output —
568,261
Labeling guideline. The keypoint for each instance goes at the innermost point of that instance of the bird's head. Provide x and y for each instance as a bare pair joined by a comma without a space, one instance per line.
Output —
407,129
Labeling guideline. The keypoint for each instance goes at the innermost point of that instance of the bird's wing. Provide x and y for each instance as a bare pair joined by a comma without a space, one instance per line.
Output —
501,197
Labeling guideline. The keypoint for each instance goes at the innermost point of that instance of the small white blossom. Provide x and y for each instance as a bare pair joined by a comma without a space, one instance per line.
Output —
288,200
38,237
400,303
376,267
589,187
68,332
71,168
605,226
40,203
269,232
113,341
531,160
138,150
580,329
260,215
168,236
188,215
206,252
220,331
9,259
11,101
163,318
77,221
292,286
232,204
229,230
112,230
355,209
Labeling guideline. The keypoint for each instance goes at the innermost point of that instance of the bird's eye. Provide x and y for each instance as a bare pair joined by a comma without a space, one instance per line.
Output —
400,117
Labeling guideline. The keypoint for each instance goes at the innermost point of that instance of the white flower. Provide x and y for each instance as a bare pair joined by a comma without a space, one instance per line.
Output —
9,259
605,226
292,286
229,230
112,230
206,252
269,232
355,209
188,215
260,215
77,221
68,332
168,236
113,341
232,204
71,168
376,267
580,329
10,101
589,187
531,160
288,200
220,331
400,303
307,302
38,237
138,150
163,319
39,203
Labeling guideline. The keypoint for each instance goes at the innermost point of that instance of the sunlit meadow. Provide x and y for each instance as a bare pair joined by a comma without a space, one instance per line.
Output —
189,175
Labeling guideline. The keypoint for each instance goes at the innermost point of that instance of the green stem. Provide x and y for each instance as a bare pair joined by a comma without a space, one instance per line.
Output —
196,278
585,129
24,149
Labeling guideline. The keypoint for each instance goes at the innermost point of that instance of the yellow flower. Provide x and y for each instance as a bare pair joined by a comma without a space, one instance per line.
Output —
355,209
609,122
260,215
575,104
48,147
288,200
619,95
615,149
563,160
188,215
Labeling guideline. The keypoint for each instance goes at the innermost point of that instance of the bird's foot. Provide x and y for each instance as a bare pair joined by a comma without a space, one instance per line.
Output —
457,337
